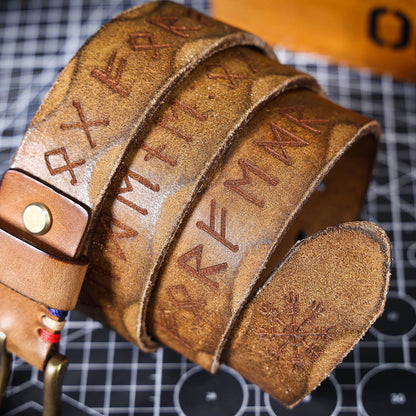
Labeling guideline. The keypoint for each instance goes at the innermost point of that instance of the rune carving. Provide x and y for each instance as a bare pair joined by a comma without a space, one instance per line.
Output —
294,331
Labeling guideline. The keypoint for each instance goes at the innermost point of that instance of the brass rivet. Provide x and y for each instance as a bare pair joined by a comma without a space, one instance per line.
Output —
37,218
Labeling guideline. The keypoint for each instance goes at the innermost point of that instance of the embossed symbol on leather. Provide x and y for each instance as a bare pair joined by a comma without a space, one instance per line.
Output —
68,167
210,229
175,107
299,120
280,143
157,153
127,174
223,72
296,331
181,299
198,272
105,77
108,239
246,167
168,324
168,23
155,47
84,124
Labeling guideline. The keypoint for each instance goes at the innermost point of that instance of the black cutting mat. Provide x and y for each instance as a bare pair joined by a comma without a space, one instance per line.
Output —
107,375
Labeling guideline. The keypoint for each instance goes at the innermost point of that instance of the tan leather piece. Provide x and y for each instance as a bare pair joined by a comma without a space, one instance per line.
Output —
313,309
58,282
109,90
21,321
233,184
69,219
274,165
150,197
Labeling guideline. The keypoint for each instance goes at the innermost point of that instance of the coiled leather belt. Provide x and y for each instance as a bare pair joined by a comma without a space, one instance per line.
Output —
160,186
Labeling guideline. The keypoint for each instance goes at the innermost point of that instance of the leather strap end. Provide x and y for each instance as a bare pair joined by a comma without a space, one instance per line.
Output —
313,309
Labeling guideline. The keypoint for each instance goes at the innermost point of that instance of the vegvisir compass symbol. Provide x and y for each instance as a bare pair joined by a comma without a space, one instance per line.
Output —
297,336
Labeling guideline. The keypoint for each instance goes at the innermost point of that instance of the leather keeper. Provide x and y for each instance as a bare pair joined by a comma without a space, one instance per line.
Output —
41,267
40,276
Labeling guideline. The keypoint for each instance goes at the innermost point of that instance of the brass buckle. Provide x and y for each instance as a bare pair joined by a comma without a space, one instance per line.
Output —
54,375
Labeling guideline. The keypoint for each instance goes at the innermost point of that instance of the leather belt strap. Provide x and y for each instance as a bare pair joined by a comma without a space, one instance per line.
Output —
155,189
240,219
185,211
88,121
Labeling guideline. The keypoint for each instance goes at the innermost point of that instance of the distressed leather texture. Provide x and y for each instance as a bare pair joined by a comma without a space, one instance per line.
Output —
193,161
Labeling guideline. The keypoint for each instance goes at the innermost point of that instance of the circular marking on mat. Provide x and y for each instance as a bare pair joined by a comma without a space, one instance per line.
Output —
326,400
199,393
398,318
388,390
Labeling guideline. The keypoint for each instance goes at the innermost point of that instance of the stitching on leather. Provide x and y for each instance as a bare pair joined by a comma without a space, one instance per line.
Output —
155,47
105,77
247,167
129,188
168,324
68,167
198,272
226,75
151,153
175,106
295,338
211,228
170,27
109,236
84,124
183,301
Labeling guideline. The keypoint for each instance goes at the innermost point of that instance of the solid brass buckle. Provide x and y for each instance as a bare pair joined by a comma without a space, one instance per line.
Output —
54,375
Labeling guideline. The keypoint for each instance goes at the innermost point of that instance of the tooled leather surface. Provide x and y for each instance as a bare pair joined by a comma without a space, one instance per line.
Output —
109,90
95,112
273,166
312,310
159,181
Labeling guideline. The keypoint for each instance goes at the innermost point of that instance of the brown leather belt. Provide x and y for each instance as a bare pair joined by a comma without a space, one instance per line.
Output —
178,162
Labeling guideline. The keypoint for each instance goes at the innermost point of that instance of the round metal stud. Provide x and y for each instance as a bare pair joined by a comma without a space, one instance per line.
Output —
37,218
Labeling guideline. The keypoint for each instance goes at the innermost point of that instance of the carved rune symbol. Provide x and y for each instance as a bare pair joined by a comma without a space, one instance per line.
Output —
105,77
236,184
84,124
198,272
127,175
175,107
181,299
109,239
223,73
282,138
296,334
68,167
168,23
219,236
157,153
155,47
